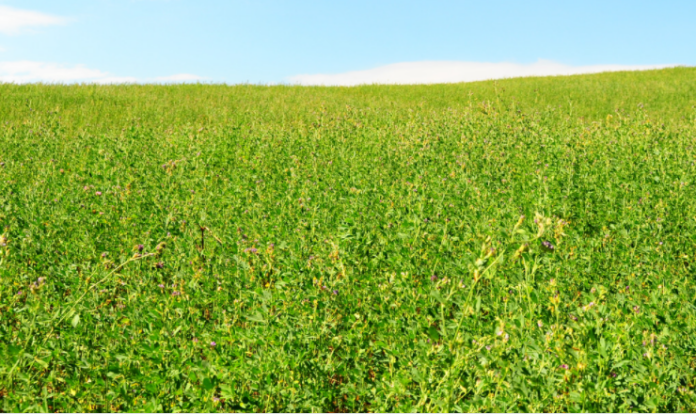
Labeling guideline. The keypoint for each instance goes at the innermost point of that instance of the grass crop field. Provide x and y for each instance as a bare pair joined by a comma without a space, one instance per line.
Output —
520,245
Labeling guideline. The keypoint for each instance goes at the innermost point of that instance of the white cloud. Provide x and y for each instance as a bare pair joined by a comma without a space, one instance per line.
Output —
453,71
12,20
26,71
181,77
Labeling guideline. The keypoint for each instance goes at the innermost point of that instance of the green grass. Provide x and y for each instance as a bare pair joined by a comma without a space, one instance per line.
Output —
379,248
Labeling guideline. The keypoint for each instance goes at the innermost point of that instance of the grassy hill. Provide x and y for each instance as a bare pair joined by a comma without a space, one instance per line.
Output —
520,245
668,95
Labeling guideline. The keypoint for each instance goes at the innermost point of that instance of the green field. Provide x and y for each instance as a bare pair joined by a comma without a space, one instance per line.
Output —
520,245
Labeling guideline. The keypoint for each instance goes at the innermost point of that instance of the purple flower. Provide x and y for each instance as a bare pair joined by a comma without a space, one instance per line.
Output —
216,399
539,324
140,247
195,340
20,293
636,309
613,374
159,265
433,278
161,286
488,347
250,250
573,318
645,355
213,344
40,280
335,292
98,193
564,366
176,293
104,254
547,244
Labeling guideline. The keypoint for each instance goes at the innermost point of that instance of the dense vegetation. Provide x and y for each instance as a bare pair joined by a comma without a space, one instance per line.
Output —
521,245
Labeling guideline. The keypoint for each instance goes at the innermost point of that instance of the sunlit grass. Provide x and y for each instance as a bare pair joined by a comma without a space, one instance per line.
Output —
525,247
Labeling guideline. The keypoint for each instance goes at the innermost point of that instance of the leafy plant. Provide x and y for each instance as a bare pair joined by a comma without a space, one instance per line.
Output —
213,248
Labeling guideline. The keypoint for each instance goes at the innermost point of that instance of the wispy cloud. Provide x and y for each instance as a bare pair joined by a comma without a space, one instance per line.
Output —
13,21
181,77
453,71
26,71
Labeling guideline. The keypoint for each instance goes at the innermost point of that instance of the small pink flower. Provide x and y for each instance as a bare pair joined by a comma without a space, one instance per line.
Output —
98,193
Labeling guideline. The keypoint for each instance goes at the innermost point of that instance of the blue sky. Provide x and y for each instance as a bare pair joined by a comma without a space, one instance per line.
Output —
336,41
